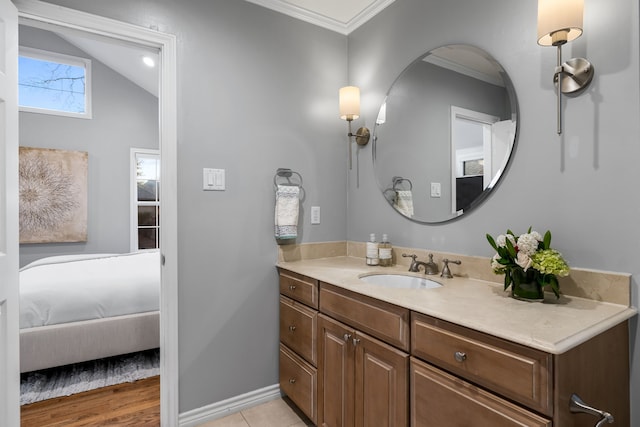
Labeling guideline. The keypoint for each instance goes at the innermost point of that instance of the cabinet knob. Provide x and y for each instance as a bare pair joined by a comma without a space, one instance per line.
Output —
292,380
346,337
460,356
292,287
356,341
292,328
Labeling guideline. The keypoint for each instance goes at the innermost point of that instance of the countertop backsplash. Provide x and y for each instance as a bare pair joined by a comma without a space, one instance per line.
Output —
596,285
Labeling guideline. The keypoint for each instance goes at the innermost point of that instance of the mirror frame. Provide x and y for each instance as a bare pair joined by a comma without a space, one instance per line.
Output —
500,175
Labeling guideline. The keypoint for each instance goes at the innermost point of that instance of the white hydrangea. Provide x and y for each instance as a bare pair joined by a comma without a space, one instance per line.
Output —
537,236
501,241
528,243
495,265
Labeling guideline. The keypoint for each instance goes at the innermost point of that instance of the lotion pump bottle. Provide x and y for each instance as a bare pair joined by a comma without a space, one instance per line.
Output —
385,252
372,251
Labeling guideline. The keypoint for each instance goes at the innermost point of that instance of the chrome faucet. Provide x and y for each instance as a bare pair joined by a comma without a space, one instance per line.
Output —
429,267
445,270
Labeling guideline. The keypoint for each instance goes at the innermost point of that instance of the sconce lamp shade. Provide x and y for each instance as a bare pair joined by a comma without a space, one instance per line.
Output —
559,21
349,103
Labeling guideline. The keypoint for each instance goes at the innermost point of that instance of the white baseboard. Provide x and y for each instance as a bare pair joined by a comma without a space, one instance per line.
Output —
229,406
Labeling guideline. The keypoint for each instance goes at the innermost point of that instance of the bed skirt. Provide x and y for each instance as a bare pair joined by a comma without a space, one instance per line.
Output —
56,345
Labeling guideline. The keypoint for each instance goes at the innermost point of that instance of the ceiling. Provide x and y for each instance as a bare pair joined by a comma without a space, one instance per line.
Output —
342,16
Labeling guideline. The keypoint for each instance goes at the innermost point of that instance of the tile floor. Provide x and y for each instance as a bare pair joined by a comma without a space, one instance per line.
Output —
276,413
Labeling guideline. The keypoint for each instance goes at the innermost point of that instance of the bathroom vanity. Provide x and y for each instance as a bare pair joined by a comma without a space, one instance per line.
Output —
359,354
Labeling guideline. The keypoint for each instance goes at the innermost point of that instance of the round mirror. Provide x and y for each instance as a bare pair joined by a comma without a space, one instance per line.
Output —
445,133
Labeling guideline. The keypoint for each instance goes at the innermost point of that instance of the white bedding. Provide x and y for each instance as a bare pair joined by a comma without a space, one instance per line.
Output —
68,289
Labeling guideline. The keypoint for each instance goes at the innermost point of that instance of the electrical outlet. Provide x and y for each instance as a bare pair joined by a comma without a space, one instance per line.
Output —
315,214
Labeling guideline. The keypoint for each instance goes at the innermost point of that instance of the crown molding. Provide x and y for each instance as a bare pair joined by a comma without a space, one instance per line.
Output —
321,20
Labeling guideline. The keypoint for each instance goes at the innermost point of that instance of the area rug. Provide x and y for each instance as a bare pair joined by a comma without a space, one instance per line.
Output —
71,379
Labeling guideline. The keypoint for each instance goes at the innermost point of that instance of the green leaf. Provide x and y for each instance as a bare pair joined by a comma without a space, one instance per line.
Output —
511,249
492,242
547,240
555,286
529,230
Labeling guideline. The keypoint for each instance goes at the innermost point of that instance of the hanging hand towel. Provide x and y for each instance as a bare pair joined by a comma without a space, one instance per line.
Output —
287,207
404,202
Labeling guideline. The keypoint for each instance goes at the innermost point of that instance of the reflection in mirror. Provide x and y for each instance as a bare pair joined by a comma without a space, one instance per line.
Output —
445,133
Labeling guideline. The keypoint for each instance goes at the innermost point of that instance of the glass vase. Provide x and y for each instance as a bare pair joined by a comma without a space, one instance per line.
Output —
527,291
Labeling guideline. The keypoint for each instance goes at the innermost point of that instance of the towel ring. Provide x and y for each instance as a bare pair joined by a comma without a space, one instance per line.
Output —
398,180
287,174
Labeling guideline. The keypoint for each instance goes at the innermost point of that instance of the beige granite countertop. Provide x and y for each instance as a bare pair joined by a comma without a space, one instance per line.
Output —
554,326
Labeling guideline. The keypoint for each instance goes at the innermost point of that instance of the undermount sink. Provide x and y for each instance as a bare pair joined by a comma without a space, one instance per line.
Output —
400,281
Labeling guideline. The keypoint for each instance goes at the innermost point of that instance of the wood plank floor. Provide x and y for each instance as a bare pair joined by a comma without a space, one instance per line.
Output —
128,404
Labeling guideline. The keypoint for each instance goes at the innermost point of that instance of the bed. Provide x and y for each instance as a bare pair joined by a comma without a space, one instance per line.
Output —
85,307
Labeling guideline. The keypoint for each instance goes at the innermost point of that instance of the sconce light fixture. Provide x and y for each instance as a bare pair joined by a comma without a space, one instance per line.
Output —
349,111
559,22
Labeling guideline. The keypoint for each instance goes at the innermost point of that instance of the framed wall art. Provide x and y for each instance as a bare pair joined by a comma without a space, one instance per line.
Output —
53,195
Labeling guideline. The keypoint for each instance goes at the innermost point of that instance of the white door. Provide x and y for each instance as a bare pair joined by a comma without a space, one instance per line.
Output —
9,338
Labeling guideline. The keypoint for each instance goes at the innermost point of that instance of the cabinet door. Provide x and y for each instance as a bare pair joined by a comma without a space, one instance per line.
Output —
382,384
335,374
442,400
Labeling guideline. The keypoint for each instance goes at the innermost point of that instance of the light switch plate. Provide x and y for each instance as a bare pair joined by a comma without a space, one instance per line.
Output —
213,179
435,189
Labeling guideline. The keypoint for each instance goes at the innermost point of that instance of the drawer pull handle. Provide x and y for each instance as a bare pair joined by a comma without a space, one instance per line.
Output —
460,356
292,380
292,287
292,328
346,337
576,405
356,341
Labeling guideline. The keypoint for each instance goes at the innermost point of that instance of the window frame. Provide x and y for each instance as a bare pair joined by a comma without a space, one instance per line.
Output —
135,203
45,55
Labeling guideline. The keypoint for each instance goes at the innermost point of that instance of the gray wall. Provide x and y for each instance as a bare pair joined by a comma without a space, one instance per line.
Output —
124,116
257,91
581,186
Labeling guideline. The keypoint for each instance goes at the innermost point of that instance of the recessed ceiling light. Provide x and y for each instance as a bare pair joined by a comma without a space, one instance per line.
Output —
148,61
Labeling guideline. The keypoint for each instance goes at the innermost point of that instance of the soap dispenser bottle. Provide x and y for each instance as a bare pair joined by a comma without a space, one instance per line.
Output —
384,252
372,251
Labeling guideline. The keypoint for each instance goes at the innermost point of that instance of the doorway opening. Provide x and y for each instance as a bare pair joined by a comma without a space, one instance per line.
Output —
39,15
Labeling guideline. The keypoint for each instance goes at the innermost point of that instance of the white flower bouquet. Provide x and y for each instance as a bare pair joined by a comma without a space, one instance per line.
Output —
528,263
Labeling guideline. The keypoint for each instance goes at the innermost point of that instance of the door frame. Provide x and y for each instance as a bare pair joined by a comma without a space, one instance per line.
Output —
40,12
483,119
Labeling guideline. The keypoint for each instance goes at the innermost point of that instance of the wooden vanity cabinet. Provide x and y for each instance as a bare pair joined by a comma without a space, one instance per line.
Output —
362,381
344,361
476,379
298,329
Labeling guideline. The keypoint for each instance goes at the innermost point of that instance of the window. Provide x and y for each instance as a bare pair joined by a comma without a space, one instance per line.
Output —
52,83
145,194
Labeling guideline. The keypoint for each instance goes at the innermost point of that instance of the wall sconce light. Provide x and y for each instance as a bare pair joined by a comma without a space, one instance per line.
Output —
349,111
559,22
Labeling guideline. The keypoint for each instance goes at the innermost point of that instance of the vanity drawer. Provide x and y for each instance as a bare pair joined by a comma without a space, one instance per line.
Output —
439,399
298,380
298,328
522,373
300,288
385,321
